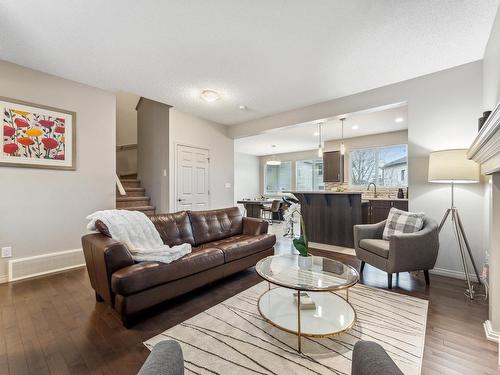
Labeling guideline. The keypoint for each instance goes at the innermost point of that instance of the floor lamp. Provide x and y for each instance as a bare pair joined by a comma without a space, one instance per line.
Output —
453,167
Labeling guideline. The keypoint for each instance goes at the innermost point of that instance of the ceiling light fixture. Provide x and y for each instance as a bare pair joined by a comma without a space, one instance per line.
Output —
274,159
399,119
342,146
320,144
243,107
210,95
355,127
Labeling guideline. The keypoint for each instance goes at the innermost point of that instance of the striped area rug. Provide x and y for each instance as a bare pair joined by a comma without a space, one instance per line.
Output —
232,337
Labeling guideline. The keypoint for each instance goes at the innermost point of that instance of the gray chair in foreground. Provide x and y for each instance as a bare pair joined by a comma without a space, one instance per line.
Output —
165,359
403,252
369,358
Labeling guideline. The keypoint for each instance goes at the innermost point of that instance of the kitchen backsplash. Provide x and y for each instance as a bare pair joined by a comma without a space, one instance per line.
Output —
382,192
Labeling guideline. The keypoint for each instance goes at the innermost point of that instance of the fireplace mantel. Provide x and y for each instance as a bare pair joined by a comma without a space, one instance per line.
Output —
485,149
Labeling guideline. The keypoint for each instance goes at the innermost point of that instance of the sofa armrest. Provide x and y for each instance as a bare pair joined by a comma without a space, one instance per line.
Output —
368,231
414,251
369,358
103,257
165,359
253,226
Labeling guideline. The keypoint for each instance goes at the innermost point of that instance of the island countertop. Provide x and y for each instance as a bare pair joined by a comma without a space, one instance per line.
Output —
322,192
329,216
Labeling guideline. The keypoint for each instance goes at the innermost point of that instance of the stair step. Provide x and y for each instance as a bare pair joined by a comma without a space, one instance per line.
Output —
147,210
130,183
134,192
126,202
132,176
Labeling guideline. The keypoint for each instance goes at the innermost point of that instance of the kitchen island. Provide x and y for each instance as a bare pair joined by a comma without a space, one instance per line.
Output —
329,216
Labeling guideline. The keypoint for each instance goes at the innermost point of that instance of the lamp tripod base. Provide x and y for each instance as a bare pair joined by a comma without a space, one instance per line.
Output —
463,245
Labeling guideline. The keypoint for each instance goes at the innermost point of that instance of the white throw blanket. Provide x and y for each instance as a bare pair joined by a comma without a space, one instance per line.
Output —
139,234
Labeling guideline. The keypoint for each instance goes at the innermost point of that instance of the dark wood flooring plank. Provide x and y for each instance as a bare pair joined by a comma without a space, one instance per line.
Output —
61,328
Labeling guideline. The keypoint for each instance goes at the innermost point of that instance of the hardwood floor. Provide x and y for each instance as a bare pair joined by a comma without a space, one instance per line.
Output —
53,325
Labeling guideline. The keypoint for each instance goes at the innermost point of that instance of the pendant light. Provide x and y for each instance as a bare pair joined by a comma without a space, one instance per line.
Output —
342,146
274,159
320,144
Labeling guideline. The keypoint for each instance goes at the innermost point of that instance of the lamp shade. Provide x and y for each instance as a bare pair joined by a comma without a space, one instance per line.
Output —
448,166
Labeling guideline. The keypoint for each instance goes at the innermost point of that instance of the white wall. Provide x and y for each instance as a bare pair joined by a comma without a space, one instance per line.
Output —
126,132
491,96
443,108
189,130
491,66
41,210
246,177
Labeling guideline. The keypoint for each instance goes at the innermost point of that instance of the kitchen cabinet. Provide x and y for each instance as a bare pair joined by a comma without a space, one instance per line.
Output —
377,210
333,166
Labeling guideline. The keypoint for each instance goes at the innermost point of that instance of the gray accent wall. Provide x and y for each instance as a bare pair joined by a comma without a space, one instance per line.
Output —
153,151
43,211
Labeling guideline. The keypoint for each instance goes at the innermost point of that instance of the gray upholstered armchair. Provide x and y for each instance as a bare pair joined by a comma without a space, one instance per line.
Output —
402,252
165,359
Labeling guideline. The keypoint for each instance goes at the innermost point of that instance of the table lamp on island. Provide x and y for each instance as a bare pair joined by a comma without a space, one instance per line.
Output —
452,167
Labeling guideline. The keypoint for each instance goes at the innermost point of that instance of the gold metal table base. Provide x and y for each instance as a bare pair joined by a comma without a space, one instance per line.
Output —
299,332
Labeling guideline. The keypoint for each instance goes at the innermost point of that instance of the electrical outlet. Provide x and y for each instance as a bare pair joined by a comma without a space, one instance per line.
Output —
6,252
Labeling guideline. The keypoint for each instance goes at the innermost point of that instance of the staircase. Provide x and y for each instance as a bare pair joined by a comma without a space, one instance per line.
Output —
135,198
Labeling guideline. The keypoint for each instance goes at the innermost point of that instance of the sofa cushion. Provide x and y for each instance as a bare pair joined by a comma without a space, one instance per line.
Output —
174,229
144,275
214,225
400,222
378,247
241,246
102,228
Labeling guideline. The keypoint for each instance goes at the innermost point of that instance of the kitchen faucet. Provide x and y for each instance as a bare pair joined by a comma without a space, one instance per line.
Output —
375,188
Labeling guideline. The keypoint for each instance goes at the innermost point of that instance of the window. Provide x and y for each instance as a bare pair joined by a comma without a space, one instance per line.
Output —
278,178
309,175
385,166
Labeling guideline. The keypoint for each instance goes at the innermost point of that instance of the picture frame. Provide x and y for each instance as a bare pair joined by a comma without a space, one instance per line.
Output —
37,136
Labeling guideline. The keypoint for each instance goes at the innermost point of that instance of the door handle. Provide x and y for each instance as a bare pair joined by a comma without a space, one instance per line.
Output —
180,200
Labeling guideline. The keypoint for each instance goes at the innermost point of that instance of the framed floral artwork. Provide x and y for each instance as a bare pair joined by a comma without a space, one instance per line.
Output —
37,136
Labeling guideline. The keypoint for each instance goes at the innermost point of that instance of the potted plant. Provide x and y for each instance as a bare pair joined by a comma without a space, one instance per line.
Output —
302,246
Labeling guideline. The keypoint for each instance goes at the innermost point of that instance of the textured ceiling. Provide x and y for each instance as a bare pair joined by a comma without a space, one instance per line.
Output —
270,56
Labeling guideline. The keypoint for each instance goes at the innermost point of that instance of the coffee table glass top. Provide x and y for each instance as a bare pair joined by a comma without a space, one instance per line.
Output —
324,274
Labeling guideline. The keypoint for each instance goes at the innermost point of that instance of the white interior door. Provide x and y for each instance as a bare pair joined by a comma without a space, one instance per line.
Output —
192,178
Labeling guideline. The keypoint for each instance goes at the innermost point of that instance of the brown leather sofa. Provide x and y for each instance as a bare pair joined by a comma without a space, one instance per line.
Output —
223,243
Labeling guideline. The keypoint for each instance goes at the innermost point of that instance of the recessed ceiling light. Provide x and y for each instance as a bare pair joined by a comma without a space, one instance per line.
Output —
399,119
243,107
316,134
355,127
210,95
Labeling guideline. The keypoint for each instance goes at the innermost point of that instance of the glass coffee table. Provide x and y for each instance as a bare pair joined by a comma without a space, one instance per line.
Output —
324,312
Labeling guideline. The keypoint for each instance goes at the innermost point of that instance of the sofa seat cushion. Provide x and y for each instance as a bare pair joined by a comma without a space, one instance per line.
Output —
378,247
240,246
144,275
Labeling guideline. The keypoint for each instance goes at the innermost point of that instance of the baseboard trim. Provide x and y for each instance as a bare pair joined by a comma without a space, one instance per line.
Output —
4,279
76,263
453,274
490,333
